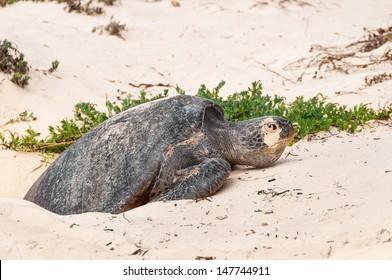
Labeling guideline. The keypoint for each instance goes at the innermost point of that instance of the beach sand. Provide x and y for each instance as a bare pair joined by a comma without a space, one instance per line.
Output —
328,197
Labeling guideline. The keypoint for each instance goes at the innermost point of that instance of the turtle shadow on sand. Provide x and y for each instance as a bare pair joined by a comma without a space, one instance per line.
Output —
177,148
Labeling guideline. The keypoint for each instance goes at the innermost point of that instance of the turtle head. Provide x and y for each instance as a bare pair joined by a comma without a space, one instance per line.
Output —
261,141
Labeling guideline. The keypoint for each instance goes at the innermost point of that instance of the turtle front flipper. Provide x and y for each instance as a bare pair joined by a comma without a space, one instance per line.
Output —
198,181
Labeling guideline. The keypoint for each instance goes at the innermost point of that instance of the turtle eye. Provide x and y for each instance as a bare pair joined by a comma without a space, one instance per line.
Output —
271,127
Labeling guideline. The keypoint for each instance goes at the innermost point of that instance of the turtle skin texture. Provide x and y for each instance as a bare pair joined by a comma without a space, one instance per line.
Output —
175,148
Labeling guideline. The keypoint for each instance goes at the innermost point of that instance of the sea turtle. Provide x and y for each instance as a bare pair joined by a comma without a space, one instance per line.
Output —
175,148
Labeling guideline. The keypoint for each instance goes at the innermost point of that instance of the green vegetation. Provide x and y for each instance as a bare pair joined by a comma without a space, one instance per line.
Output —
7,2
71,5
108,2
309,116
25,116
12,62
55,65
113,28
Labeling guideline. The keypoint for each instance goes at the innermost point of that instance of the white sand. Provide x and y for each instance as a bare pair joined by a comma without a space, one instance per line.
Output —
338,202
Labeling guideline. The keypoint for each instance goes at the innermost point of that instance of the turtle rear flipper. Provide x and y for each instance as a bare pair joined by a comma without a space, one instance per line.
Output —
198,181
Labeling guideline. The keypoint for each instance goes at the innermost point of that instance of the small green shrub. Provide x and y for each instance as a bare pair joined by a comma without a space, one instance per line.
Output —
7,2
113,28
25,116
55,65
12,62
71,5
